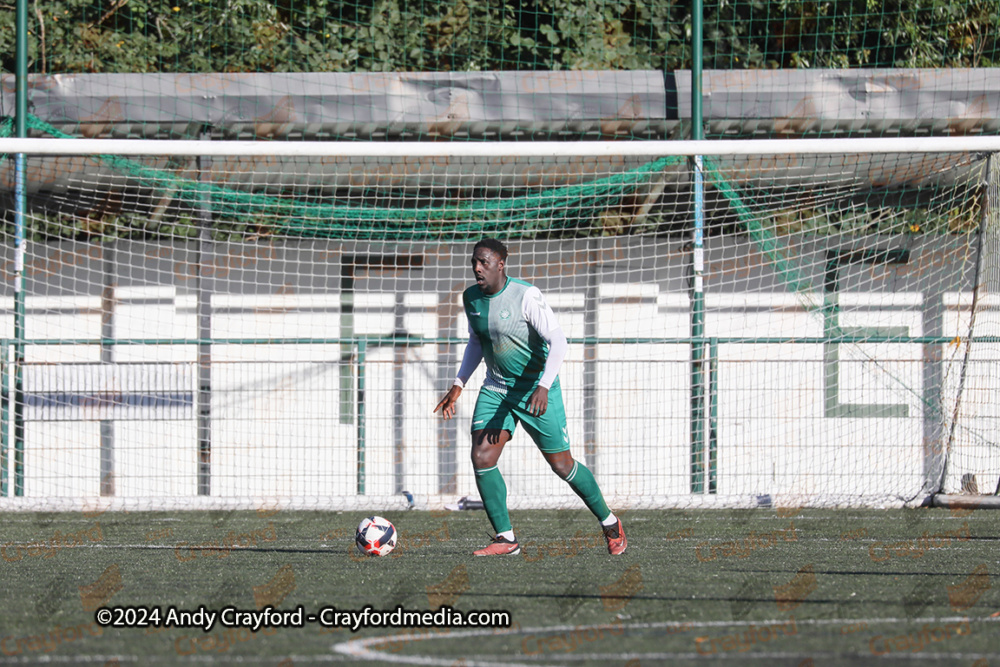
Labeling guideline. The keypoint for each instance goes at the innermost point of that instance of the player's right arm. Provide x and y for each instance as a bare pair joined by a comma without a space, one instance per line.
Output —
470,361
540,317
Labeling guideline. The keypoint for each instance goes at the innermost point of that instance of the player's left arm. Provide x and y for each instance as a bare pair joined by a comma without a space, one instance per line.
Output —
541,318
470,362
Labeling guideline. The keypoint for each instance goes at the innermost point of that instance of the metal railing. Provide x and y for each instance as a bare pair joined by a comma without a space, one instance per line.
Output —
704,455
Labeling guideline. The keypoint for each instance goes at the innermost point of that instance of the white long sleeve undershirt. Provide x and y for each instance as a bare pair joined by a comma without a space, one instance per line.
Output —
470,360
541,318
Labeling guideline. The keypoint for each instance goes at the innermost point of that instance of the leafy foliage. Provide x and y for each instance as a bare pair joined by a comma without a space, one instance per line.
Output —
70,36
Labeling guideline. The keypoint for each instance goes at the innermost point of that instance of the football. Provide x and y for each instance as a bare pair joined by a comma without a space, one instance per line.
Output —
375,536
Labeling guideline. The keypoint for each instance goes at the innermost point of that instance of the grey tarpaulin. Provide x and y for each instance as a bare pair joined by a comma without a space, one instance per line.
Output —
575,105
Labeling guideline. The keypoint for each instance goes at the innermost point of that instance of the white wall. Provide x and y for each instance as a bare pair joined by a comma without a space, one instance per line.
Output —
276,428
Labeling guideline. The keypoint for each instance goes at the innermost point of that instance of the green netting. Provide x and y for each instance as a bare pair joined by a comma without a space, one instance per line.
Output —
546,210
762,234
791,266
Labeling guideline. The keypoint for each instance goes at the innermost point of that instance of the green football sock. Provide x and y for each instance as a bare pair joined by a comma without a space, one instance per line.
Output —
493,491
582,481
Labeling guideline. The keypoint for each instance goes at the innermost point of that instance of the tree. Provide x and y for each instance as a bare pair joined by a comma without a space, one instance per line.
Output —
460,35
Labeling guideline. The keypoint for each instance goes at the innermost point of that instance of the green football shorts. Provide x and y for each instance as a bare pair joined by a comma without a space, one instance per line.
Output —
496,411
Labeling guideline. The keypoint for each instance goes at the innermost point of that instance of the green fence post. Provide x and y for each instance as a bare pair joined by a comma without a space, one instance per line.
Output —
362,349
20,237
3,418
698,262
713,414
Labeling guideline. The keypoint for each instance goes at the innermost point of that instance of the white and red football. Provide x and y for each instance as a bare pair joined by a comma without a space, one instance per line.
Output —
375,536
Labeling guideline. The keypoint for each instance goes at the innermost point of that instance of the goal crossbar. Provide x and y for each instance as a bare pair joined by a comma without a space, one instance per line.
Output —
46,146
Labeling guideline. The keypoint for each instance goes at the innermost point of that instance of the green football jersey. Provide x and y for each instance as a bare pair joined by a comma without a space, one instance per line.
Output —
513,350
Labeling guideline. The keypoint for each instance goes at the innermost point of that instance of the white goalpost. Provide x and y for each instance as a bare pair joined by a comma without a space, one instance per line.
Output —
213,324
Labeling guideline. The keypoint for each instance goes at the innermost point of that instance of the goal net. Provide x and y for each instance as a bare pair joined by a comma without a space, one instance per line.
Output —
224,324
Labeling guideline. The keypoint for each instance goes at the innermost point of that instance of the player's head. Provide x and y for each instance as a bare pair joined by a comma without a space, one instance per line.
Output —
493,244
489,263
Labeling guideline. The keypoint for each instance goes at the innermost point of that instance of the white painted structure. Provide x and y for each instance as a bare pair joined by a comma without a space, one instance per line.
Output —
277,437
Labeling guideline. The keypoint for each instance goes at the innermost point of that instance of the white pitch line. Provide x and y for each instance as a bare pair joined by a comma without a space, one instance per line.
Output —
360,648
559,658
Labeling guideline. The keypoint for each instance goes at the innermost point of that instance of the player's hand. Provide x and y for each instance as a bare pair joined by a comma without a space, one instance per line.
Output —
447,404
538,403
